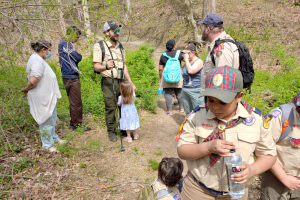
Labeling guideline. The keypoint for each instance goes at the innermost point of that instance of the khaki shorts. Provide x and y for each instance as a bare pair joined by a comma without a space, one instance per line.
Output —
191,190
272,188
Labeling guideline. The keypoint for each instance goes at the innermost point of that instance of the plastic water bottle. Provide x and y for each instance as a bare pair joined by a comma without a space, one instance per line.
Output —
160,92
235,190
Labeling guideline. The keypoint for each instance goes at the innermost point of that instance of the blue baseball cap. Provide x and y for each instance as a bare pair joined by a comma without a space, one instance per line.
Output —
212,20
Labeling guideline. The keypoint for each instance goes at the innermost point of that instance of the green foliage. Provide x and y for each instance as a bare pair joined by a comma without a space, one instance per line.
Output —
153,164
269,91
144,75
23,164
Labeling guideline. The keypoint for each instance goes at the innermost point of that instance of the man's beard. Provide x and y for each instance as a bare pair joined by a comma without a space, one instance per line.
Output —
204,36
112,37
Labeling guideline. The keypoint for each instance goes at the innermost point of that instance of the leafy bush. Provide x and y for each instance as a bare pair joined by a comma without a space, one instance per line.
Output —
269,91
144,75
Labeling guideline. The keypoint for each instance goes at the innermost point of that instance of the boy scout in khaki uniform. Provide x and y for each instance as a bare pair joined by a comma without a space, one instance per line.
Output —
227,122
113,71
282,181
226,54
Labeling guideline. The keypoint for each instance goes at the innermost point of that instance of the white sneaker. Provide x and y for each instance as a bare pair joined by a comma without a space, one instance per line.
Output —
53,149
61,141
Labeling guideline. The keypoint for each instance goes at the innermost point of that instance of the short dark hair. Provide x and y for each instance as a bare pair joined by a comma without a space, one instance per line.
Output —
170,171
74,29
39,45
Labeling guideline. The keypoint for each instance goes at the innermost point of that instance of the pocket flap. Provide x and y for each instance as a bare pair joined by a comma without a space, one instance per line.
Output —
250,137
295,133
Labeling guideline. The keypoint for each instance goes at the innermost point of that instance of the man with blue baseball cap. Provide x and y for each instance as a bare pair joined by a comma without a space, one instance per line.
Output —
225,54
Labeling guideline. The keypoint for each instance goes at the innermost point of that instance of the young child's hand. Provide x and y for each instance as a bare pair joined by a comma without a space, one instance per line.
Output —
243,177
221,147
291,182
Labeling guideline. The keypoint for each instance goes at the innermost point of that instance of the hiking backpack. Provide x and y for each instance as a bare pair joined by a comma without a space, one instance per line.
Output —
287,120
245,65
172,73
101,43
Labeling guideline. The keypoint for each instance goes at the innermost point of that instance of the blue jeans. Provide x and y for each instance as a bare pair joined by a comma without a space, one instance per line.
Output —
191,98
47,131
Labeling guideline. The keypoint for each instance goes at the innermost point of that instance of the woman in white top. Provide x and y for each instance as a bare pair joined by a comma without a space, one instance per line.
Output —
43,92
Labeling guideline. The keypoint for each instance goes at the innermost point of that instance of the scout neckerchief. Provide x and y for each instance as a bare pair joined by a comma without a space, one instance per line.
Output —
293,141
218,131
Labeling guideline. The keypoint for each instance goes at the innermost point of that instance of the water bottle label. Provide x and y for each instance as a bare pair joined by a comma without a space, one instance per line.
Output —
235,170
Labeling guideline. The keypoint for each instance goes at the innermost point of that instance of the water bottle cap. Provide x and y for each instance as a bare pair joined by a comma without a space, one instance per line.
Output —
232,151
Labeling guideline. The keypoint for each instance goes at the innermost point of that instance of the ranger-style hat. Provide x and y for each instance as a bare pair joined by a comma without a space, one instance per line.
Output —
110,25
223,83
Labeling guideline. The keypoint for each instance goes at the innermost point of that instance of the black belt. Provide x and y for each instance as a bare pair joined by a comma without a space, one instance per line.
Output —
215,192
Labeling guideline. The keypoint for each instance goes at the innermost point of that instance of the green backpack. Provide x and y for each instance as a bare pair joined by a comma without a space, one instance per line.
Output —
148,194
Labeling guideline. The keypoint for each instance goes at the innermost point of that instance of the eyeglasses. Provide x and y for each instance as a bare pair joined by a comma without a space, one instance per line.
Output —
117,31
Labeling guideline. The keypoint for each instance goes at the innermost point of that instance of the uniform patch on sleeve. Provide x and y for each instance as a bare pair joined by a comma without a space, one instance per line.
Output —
220,47
295,142
219,54
266,120
276,113
176,197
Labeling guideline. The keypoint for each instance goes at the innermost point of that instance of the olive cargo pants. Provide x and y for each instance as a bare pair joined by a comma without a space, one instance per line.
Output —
110,101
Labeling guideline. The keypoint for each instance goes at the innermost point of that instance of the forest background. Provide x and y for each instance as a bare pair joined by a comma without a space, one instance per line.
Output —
269,28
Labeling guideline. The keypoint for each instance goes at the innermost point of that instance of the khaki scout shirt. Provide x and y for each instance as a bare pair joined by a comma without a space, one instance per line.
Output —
174,195
249,139
226,54
287,155
116,53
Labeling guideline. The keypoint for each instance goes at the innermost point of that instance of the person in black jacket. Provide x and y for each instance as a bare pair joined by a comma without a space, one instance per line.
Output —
69,59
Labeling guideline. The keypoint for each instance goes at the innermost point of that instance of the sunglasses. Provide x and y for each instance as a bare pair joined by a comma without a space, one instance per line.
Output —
117,31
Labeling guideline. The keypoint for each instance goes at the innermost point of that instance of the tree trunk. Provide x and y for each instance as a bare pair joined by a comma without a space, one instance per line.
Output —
61,19
209,7
87,22
192,21
127,10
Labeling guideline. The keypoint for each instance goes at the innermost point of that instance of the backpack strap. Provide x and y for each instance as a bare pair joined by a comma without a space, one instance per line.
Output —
161,193
287,120
102,49
165,54
217,43
177,54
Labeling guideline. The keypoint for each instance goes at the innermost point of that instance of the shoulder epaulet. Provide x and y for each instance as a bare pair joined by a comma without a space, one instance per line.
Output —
257,111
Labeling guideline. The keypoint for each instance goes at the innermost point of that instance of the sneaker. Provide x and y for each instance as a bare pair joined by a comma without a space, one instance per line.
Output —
168,113
61,141
181,110
53,149
136,136
127,139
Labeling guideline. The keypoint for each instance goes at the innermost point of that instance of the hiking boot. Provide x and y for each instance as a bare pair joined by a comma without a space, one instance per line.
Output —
61,141
112,137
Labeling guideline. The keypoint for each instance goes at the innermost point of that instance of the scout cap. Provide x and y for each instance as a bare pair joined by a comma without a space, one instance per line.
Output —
212,20
223,83
189,47
110,25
